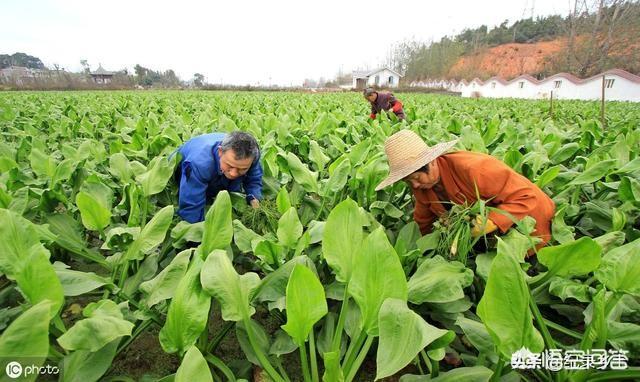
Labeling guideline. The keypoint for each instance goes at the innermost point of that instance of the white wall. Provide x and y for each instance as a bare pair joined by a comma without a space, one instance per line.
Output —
623,89
384,79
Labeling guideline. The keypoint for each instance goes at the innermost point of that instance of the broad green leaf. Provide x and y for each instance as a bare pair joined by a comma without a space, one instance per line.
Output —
220,280
619,270
378,275
185,232
269,252
610,240
594,173
145,271
567,288
342,238
218,226
68,232
43,165
38,280
120,238
63,172
94,202
151,236
76,283
477,334
575,258
27,338
629,190
317,156
120,167
624,336
188,311
282,344
403,334
159,171
244,237
18,238
86,366
439,280
306,303
338,178
194,368
301,173
273,287
504,308
289,228
547,176
104,323
283,201
164,285
564,153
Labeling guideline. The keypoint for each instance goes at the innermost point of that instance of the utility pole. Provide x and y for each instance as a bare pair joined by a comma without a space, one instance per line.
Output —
602,120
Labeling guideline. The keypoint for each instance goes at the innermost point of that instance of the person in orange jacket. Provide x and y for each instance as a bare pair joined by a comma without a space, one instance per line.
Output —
437,178
383,101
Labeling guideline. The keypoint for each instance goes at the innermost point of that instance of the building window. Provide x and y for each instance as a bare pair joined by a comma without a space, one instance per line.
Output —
493,85
608,83
557,84
377,80
521,84
390,80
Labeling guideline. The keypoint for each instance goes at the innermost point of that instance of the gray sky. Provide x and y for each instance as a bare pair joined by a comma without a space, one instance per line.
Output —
239,41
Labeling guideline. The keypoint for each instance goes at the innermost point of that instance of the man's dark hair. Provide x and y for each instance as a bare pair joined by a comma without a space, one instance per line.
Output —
368,91
244,145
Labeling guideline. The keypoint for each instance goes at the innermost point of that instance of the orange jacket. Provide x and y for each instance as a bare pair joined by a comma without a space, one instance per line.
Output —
501,186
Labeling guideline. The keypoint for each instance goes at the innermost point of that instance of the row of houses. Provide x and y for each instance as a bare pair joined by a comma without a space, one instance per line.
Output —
618,84
20,75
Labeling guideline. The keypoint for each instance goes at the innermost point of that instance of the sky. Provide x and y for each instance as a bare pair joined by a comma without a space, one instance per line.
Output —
239,41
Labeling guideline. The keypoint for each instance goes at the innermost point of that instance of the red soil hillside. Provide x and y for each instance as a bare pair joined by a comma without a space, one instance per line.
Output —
507,60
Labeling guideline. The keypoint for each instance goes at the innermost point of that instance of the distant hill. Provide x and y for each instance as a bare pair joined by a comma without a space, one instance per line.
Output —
591,39
508,60
20,59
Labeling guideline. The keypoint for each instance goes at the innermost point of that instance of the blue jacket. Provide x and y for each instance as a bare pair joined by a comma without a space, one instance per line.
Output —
201,177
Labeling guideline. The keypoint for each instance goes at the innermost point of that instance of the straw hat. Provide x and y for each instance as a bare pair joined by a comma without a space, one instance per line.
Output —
407,152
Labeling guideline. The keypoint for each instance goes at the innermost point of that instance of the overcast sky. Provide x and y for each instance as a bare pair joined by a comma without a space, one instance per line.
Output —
240,41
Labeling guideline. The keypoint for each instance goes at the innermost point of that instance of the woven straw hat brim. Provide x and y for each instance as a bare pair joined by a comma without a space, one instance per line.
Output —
429,155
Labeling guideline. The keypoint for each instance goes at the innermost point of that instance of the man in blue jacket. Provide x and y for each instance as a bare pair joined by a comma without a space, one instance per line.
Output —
214,162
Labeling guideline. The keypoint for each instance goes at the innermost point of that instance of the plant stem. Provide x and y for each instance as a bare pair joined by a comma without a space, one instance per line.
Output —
142,327
356,365
426,361
314,362
337,336
498,371
304,362
264,361
217,362
352,351
215,341
562,329
543,327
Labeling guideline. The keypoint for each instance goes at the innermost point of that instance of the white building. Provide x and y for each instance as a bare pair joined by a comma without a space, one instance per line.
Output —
383,77
619,86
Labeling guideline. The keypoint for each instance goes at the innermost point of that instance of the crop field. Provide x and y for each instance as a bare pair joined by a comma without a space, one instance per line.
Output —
329,280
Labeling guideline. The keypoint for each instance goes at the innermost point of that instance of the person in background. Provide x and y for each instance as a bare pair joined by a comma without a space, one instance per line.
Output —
383,101
214,162
438,178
